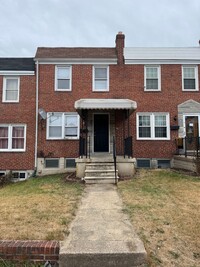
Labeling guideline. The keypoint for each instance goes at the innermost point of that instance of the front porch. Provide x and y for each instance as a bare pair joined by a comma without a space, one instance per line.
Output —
105,135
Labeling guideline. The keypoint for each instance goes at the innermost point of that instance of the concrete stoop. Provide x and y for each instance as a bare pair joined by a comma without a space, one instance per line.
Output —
100,172
101,235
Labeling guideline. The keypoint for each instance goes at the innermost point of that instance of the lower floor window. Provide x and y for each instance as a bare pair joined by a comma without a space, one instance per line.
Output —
62,125
153,126
51,163
12,137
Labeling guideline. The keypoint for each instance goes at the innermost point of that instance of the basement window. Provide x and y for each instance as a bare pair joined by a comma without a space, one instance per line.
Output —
2,173
143,163
51,163
19,175
164,163
70,163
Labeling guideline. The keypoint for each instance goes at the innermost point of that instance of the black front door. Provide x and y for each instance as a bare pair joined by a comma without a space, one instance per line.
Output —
101,133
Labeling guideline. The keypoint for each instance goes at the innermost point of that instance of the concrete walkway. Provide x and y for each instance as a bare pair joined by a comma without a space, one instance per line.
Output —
101,235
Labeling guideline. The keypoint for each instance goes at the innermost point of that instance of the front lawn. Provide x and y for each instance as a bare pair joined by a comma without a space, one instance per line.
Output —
40,208
164,207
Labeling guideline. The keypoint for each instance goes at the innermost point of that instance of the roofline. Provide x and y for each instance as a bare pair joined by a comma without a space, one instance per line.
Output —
17,72
76,60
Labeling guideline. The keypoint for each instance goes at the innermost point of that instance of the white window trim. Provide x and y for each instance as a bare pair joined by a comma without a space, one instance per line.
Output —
196,78
4,89
70,79
49,114
10,149
19,172
152,125
93,79
159,78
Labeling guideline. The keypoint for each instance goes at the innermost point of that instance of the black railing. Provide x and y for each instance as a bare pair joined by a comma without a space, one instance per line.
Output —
84,146
188,146
128,147
115,159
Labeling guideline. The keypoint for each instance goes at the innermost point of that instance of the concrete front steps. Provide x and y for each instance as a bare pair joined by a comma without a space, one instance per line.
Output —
100,172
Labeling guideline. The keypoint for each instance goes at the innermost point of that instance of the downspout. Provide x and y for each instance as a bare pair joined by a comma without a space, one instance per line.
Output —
36,120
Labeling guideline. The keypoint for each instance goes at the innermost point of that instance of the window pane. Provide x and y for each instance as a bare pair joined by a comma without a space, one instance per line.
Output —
63,73
144,132
72,131
63,84
102,84
18,132
3,132
100,73
151,73
17,137
189,84
144,120
160,120
55,120
55,131
152,84
11,92
70,121
160,131
189,73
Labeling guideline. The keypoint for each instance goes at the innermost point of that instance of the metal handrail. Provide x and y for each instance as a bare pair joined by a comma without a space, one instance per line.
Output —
115,159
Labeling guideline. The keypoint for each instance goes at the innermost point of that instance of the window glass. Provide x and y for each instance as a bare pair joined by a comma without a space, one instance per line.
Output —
63,78
3,137
11,89
100,78
152,78
153,126
189,78
62,126
12,138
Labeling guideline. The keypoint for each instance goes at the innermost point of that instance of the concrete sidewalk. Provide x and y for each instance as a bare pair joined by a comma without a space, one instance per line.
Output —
101,234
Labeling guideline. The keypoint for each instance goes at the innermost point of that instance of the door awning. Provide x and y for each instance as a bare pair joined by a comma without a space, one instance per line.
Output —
107,104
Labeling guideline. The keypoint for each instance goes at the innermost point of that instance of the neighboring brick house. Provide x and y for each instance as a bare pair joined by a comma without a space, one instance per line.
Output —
17,116
144,97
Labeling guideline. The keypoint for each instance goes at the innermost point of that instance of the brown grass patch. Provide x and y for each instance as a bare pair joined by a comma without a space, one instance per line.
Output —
40,208
164,207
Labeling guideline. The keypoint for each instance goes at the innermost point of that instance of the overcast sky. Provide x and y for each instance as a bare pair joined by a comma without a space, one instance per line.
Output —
27,24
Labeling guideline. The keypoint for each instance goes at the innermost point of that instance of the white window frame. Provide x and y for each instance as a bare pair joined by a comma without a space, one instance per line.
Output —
93,81
63,114
158,67
70,78
196,78
152,125
19,173
10,127
5,78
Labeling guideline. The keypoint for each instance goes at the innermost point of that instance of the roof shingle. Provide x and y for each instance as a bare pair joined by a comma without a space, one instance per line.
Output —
17,64
75,52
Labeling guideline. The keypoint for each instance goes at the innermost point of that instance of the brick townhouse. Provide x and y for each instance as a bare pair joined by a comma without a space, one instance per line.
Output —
86,102
17,116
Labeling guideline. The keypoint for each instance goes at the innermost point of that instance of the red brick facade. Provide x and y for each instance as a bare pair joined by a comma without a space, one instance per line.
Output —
126,81
22,112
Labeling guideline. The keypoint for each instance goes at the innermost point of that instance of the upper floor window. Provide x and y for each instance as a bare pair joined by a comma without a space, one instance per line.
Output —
12,137
190,78
100,78
152,80
153,126
11,89
62,126
63,78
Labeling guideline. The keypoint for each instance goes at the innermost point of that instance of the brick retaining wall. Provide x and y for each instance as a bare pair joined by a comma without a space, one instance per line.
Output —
30,251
